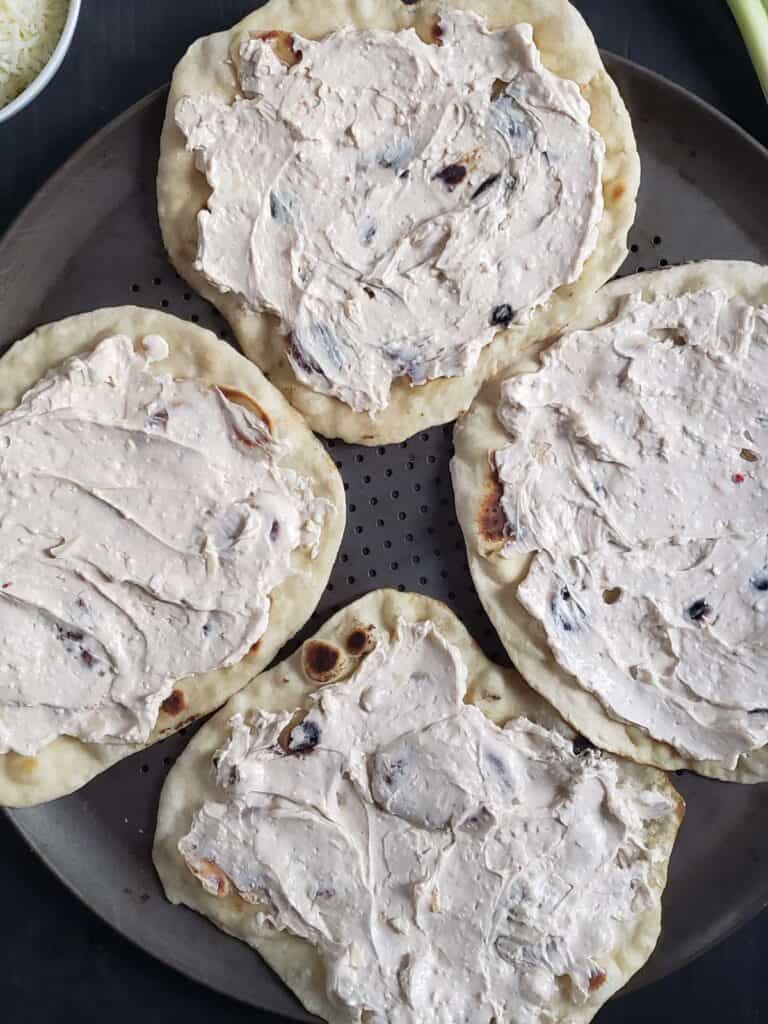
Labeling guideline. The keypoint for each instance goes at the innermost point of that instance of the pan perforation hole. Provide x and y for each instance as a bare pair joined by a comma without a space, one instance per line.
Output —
647,249
402,531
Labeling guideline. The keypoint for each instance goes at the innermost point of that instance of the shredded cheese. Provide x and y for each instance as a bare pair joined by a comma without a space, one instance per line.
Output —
29,32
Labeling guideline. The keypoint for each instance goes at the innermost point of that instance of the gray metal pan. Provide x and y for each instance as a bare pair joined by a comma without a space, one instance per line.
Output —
90,239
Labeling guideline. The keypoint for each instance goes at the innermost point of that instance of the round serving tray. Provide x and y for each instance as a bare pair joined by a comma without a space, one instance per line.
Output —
90,239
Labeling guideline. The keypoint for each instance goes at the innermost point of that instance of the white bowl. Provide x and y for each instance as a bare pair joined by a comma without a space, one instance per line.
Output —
37,85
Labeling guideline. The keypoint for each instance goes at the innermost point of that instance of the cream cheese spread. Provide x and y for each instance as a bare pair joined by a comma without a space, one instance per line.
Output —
443,868
636,473
143,523
393,202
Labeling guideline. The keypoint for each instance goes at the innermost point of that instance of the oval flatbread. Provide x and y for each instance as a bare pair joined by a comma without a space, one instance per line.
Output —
339,652
567,49
498,575
66,763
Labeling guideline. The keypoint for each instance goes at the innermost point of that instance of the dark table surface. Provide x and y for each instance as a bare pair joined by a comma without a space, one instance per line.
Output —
58,961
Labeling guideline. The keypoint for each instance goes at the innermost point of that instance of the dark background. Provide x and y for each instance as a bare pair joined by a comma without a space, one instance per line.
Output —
58,962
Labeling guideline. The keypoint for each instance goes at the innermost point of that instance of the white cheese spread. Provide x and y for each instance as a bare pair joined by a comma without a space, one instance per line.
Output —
393,202
637,475
443,868
143,523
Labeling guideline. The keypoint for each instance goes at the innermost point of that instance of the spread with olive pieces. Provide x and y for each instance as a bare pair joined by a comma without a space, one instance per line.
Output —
143,523
395,202
635,475
443,868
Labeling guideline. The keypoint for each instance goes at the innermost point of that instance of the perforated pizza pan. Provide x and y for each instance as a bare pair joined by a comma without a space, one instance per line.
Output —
90,239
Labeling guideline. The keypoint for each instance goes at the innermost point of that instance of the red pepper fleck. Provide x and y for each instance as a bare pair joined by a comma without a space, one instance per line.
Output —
6,585
738,478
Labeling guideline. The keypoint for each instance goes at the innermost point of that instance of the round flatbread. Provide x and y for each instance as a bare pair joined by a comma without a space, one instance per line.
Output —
500,694
567,49
498,576
66,763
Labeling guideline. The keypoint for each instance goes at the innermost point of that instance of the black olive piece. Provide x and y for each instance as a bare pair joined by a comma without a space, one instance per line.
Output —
568,617
502,316
277,209
485,185
452,174
304,737
510,186
699,610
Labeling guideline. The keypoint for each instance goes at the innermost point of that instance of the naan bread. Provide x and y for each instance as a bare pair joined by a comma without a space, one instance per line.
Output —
497,578
66,764
567,49
499,693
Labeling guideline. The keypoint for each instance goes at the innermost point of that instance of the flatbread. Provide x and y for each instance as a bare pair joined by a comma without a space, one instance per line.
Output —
66,764
497,578
567,48
499,693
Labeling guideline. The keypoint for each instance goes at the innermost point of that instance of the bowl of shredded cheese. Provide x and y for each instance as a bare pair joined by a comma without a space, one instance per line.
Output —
34,38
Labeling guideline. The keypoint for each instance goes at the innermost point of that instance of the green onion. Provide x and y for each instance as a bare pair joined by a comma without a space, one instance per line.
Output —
752,19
